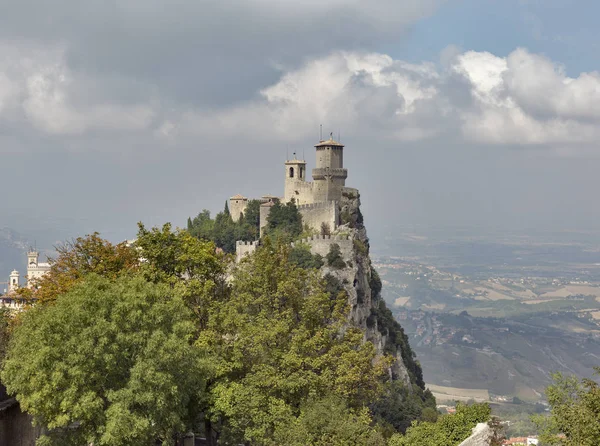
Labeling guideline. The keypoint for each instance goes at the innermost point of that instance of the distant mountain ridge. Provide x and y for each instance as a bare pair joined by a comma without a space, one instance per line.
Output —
13,248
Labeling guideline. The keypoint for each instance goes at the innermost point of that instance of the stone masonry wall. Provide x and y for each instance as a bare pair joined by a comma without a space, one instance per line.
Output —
315,214
321,244
243,249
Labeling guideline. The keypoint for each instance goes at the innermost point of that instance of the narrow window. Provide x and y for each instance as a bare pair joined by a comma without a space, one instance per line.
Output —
291,172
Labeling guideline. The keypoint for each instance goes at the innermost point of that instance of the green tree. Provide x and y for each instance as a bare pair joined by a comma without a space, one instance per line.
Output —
76,258
252,216
279,338
301,256
4,324
575,412
202,226
399,406
187,264
110,363
334,257
328,421
448,430
284,221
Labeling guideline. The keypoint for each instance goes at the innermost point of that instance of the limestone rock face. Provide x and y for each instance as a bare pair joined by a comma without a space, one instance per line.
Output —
359,282
482,436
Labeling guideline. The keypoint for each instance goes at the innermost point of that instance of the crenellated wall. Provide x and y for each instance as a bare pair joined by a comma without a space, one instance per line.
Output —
321,244
315,214
243,249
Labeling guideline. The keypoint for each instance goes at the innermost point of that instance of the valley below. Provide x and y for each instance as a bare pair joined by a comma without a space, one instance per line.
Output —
491,317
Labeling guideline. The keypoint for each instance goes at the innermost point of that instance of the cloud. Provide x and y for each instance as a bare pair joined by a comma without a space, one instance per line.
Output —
199,52
38,90
521,100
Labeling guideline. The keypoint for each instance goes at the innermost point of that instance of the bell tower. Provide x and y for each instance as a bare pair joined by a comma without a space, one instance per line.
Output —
32,259
13,281
295,182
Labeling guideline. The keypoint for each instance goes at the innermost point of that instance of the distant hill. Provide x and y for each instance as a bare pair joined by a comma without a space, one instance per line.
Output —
13,248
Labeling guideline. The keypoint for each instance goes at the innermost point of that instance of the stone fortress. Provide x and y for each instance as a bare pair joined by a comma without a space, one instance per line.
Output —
317,201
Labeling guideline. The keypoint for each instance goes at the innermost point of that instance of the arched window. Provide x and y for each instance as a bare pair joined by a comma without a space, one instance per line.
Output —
301,173
291,172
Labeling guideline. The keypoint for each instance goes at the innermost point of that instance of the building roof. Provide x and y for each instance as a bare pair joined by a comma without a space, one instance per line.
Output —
329,142
238,197
268,204
295,161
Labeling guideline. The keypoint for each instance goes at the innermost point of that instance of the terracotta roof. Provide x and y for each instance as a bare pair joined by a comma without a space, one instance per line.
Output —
238,197
329,142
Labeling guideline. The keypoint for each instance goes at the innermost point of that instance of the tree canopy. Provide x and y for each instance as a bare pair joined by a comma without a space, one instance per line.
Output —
575,412
133,343
223,231
448,430
75,259
279,339
110,363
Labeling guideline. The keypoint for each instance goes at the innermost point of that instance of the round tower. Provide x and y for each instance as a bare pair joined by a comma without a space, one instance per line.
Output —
329,176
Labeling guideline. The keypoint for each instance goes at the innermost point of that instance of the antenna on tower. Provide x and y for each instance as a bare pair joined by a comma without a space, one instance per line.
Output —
320,132
339,136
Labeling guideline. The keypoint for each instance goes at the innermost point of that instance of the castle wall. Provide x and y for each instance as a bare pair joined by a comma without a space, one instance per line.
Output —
321,244
265,210
316,213
300,191
243,249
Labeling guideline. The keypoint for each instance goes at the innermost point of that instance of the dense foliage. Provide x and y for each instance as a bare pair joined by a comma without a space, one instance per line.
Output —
284,222
575,412
301,256
329,421
4,324
223,231
334,257
284,342
77,258
127,344
399,406
448,430
109,363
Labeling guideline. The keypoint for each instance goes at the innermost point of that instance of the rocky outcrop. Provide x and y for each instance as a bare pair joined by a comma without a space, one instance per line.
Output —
363,286
482,435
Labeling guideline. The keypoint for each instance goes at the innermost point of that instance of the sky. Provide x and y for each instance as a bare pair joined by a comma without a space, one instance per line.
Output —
481,113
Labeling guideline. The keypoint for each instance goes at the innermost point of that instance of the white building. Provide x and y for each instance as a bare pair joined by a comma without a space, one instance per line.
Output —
35,270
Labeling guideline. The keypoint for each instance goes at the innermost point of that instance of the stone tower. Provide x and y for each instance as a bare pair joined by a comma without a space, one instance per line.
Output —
13,281
32,259
296,186
329,176
237,206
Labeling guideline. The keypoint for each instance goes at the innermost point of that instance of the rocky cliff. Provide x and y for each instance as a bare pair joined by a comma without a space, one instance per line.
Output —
362,283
